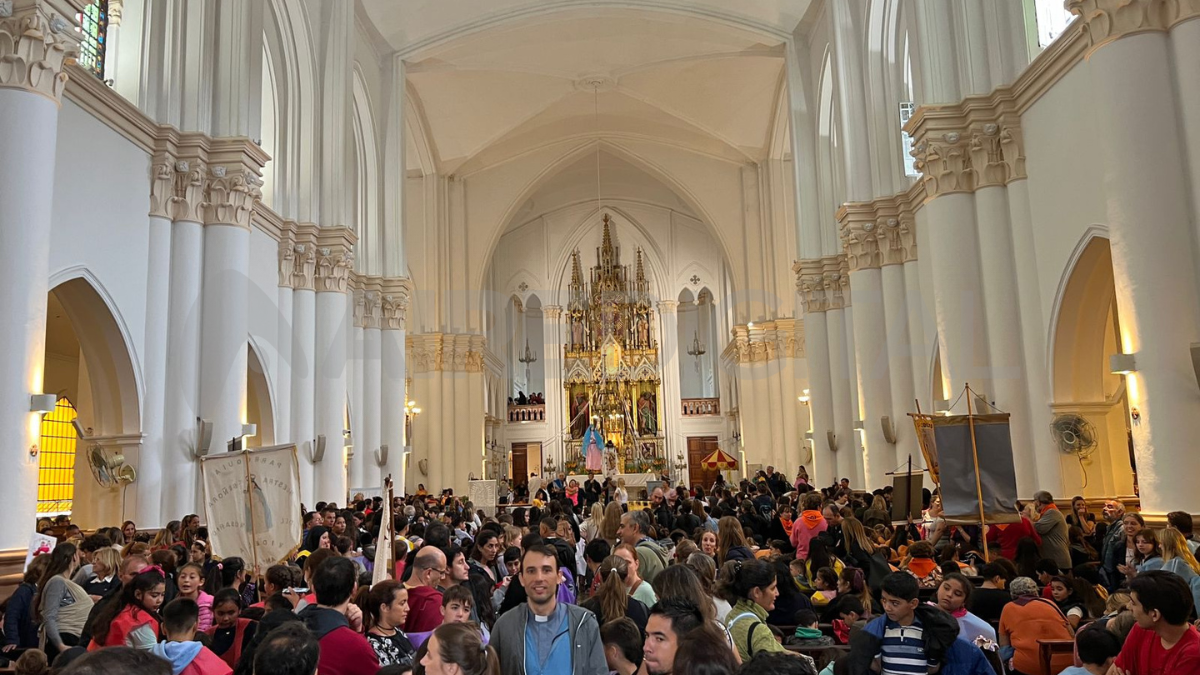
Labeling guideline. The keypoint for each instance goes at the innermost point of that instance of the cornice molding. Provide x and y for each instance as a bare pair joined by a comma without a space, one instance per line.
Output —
1105,21
37,42
435,352
768,341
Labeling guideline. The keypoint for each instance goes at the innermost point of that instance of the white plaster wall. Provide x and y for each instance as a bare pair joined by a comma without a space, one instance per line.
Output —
263,322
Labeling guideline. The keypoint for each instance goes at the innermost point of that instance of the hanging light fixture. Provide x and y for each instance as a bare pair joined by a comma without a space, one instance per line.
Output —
527,358
696,349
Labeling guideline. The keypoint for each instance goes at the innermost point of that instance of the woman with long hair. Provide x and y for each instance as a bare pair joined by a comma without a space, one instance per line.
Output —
611,523
707,541
133,620
60,603
458,649
790,600
1176,556
954,596
682,583
384,611
801,483
128,532
705,570
731,541
1122,559
819,555
316,538
167,536
1149,555
611,601
592,526
754,586
485,556
876,513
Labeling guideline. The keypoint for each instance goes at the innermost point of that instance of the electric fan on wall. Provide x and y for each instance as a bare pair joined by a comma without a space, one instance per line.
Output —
1074,435
109,468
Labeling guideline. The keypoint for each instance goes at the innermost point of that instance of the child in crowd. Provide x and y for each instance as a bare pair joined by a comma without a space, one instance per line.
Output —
230,633
456,608
850,618
512,560
133,621
1064,596
1096,648
808,631
190,580
827,587
186,655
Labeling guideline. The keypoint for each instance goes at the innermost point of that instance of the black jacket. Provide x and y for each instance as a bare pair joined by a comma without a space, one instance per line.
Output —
940,630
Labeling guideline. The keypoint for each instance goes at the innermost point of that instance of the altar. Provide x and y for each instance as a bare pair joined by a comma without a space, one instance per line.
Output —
633,481
611,370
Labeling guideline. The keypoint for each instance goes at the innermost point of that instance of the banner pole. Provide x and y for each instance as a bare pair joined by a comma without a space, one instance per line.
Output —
978,484
250,506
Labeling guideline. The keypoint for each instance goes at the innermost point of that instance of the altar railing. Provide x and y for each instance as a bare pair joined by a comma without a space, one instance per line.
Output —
527,413
700,407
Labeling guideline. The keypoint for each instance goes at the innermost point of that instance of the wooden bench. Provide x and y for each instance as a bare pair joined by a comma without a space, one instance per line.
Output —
1049,649
822,655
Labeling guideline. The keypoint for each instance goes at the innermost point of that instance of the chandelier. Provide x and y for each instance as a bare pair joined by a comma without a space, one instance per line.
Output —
527,358
696,349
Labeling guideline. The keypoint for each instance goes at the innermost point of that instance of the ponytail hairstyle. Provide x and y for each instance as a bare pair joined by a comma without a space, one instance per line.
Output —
61,561
223,575
227,595
382,593
857,583
462,645
744,576
145,581
612,594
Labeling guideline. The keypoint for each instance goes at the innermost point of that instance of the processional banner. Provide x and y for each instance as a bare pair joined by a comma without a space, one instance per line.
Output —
974,464
252,503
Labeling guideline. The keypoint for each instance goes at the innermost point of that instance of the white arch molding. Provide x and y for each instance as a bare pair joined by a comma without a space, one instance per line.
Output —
260,406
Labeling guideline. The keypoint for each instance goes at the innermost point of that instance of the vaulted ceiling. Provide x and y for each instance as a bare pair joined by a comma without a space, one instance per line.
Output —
494,78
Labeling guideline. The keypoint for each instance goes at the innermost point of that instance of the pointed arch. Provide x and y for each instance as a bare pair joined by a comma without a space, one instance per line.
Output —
260,398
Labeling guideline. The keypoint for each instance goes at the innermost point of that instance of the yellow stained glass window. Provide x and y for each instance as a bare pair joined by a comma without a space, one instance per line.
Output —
56,460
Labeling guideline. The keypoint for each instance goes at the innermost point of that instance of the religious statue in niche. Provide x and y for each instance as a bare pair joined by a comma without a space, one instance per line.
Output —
643,331
612,461
577,332
579,414
647,413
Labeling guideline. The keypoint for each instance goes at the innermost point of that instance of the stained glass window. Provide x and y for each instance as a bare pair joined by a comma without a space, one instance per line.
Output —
93,25
56,460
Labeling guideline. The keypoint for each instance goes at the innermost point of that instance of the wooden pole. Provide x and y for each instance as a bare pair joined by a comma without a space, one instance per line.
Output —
250,508
978,484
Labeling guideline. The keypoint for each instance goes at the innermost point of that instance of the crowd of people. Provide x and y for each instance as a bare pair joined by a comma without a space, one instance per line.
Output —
770,576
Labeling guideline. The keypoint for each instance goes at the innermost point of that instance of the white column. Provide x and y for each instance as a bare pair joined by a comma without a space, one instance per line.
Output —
360,459
896,315
843,415
27,141
870,343
147,507
859,476
393,371
813,299
283,364
916,335
770,371
671,405
958,298
1185,54
180,469
224,329
1149,215
329,405
551,354
793,430
372,397
304,339
1003,316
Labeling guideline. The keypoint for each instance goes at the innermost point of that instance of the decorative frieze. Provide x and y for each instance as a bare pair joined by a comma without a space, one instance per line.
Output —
35,45
1104,21
435,352
765,341
395,294
966,146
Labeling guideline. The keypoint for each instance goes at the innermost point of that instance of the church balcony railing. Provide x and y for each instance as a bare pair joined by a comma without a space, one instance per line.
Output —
527,413
701,407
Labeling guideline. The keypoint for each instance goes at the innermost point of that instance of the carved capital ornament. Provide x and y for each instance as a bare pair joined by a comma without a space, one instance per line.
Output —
36,45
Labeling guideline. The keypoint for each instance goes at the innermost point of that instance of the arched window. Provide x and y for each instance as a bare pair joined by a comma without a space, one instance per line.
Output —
93,28
1051,18
56,460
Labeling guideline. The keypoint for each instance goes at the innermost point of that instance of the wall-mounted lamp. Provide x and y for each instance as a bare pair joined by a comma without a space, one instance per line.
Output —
249,430
859,426
804,397
42,403
808,435
1122,364
347,438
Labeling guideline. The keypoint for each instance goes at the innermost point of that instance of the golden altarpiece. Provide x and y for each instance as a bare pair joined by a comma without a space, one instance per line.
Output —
611,366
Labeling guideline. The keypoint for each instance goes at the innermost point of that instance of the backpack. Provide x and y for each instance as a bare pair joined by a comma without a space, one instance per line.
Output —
749,633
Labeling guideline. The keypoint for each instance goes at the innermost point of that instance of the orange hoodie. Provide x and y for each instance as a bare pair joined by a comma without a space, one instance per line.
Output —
807,526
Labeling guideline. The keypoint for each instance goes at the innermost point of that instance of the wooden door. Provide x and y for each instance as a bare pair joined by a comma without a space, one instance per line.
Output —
700,447
520,464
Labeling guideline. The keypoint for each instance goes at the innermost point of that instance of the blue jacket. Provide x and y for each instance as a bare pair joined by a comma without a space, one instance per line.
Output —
19,627
957,656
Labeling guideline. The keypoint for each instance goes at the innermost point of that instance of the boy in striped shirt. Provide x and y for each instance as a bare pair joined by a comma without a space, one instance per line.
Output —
902,649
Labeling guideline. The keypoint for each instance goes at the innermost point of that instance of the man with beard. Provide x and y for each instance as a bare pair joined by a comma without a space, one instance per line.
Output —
547,637
669,621
663,518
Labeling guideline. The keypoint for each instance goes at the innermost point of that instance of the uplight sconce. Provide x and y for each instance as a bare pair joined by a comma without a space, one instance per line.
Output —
42,403
804,397
1122,364
249,430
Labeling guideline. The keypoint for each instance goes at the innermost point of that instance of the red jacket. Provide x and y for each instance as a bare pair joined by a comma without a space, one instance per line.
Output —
343,651
424,609
207,663
1008,535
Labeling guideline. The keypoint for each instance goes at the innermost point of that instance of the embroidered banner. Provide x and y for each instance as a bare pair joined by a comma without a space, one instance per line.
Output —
252,504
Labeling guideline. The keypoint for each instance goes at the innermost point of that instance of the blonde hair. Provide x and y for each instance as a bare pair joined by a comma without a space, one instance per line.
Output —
1175,546
108,558
611,522
854,531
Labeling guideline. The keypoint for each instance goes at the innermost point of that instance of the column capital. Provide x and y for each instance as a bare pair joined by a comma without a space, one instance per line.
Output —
552,312
767,341
860,236
187,200
395,294
433,352
335,259
36,42
1105,21
668,306
835,273
810,282
234,186
969,145
287,262
162,185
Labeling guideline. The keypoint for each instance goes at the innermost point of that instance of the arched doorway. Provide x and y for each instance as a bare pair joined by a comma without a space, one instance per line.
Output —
88,363
1086,333
259,410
